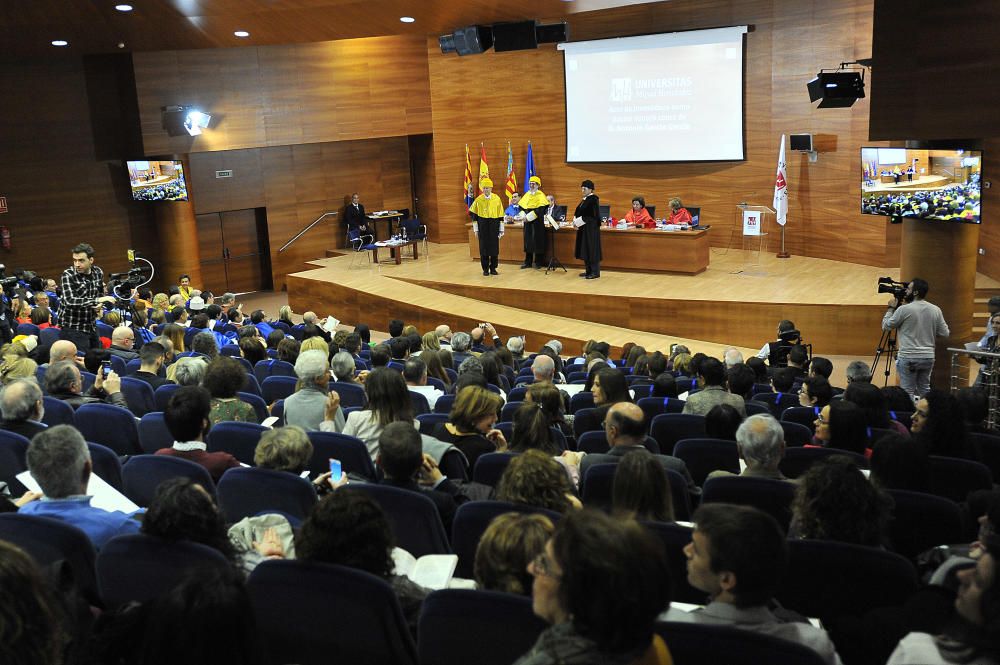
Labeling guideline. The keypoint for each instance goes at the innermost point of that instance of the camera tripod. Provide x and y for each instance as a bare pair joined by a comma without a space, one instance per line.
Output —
885,352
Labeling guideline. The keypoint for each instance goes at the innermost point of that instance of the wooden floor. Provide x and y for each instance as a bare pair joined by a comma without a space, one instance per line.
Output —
735,302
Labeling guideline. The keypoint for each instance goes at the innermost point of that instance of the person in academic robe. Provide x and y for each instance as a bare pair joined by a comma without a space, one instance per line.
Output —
678,213
638,216
487,221
534,204
588,231
354,215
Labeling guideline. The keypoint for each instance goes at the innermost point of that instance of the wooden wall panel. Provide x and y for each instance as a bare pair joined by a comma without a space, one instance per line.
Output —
297,184
281,95
791,40
424,182
62,175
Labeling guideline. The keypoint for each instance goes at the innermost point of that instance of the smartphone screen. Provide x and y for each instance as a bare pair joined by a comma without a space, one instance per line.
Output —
106,368
335,470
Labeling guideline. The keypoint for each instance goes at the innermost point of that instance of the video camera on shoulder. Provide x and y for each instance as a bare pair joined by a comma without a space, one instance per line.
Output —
897,289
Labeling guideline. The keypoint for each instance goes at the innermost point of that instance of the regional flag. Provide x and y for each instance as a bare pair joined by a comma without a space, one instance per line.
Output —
484,168
781,187
511,186
529,165
469,196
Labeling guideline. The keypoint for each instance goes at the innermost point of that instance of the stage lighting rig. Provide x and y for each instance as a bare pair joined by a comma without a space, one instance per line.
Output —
841,87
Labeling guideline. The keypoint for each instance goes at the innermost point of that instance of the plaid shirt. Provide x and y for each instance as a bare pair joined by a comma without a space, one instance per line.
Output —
79,298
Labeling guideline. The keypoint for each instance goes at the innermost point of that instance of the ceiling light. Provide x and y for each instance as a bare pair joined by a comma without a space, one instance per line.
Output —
123,8
407,19
241,33
60,42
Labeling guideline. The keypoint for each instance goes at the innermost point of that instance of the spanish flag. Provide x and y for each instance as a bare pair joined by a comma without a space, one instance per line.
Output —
468,179
484,169
511,188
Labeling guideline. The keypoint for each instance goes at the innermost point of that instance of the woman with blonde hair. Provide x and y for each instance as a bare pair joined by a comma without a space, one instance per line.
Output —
161,302
429,342
435,368
285,315
175,333
315,343
470,424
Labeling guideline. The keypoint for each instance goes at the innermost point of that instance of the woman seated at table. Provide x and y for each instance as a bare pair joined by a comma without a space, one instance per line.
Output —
638,216
678,213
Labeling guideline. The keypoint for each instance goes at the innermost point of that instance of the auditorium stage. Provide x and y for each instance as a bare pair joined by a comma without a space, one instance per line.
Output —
733,302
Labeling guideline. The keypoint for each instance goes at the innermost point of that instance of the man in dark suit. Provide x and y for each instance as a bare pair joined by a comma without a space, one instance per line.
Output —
625,428
403,463
354,215
22,406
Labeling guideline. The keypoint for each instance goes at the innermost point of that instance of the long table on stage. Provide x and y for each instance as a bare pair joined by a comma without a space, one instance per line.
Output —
623,249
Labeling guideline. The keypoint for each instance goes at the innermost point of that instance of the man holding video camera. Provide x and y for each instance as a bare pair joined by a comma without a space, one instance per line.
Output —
83,295
917,322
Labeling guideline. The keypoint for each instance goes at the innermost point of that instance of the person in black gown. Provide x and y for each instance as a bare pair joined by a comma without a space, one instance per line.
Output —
533,206
588,233
354,215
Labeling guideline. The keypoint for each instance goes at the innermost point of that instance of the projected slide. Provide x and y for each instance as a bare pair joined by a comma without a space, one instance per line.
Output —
668,97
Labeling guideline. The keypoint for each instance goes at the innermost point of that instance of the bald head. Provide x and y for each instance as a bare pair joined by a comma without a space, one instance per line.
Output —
123,337
543,367
62,349
309,317
443,332
625,425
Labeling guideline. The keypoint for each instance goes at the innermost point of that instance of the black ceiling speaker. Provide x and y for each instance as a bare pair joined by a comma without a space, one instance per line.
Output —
473,39
518,36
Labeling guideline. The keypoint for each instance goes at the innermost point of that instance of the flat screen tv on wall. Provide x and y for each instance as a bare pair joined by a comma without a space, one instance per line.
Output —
157,181
941,185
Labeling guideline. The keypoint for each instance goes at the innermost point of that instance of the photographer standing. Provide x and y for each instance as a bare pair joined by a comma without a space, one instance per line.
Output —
83,293
918,323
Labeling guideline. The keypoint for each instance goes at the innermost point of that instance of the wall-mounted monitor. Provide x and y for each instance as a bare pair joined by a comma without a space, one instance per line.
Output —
924,184
157,181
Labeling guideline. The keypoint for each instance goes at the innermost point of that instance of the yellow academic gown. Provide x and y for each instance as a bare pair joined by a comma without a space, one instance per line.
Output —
535,241
487,213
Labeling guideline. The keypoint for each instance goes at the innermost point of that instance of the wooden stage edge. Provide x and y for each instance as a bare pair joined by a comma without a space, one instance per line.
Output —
652,310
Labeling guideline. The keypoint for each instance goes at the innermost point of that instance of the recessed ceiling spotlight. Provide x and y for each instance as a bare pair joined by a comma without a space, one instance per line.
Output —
241,33
123,8
60,42
407,19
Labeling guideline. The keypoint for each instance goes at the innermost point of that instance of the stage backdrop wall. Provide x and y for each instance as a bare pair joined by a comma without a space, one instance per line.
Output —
791,40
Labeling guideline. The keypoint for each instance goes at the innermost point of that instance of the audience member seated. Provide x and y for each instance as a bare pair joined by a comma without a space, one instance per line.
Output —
740,380
834,501
712,379
820,366
348,528
816,392
204,343
187,371
252,350
554,403
578,588
721,422
609,388
641,490
798,360
223,379
187,419
506,549
625,429
531,430
313,406
175,333
737,555
64,382
460,344
872,403
470,424
858,371
415,375
183,510
787,335
33,618
761,443
975,637
664,385
388,402
975,405
841,425
782,380
344,367
536,479
123,343
22,407
59,461
288,350
899,463
151,359
542,369
404,465
938,425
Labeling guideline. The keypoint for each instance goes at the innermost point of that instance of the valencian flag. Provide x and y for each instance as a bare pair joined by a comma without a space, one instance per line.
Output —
781,187
511,185
468,179
529,165
484,168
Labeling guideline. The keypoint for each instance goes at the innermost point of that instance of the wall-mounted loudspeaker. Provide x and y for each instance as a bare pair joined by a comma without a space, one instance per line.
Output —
802,142
554,33
470,40
518,36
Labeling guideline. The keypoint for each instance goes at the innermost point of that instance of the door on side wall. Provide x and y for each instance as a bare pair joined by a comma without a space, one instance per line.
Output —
235,254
